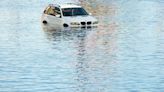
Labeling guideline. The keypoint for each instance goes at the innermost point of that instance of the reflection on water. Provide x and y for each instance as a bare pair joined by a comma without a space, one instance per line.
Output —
124,54
84,62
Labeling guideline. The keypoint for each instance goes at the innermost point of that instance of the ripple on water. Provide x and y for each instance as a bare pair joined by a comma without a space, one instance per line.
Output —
124,54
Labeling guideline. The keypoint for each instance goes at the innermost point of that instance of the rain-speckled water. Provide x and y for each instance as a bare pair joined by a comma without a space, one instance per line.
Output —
124,54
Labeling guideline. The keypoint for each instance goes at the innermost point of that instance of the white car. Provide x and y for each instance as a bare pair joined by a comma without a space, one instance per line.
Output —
67,15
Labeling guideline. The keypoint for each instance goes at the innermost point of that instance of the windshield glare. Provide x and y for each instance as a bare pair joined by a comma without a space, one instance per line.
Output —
74,12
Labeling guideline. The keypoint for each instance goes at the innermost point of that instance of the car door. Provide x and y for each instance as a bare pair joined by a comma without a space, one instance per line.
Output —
53,16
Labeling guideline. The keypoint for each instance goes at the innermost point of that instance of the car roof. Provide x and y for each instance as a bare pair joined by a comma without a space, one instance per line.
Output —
69,5
65,5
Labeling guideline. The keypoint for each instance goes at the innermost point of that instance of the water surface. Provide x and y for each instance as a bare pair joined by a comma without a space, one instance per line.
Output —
124,54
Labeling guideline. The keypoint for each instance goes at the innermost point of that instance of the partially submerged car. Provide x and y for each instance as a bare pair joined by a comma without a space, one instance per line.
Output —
67,15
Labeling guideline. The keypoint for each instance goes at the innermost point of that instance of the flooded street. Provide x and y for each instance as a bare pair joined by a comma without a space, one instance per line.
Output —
124,54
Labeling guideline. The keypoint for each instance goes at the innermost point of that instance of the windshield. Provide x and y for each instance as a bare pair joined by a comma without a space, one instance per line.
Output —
74,12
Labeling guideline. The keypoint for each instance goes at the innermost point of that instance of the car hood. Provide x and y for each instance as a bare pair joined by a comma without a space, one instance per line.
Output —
79,19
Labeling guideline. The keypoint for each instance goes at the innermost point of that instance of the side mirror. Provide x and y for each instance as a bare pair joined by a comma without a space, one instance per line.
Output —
58,16
90,13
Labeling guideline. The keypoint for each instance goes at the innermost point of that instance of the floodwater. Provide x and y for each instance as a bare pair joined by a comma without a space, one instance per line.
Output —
124,54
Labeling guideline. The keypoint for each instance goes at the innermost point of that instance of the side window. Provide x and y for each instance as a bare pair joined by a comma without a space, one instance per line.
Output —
46,10
52,11
57,10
